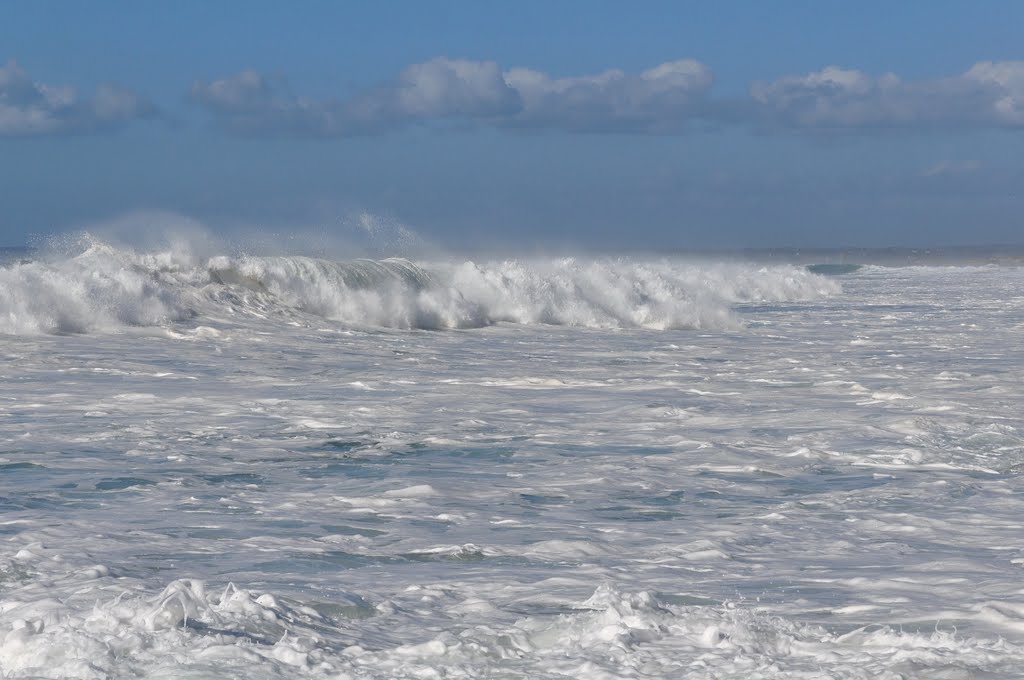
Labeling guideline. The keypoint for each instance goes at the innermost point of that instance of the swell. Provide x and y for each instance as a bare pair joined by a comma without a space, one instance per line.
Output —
105,288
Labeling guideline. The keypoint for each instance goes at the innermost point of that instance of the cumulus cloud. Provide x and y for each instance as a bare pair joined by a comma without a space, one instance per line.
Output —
29,108
989,94
450,87
1003,87
661,99
250,102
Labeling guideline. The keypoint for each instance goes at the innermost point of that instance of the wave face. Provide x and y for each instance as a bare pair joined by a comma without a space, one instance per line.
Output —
105,288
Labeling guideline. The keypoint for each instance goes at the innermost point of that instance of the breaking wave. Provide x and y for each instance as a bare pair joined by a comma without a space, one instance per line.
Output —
106,288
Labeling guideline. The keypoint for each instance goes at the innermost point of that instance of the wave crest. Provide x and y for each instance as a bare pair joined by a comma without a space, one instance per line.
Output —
105,288
100,289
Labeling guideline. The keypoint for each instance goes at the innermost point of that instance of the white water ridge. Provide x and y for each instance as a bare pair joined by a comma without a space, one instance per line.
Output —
105,288
258,467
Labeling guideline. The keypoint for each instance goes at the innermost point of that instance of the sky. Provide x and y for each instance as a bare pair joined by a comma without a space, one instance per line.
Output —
608,125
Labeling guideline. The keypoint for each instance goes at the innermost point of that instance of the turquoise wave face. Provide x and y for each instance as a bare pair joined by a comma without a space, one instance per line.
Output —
833,269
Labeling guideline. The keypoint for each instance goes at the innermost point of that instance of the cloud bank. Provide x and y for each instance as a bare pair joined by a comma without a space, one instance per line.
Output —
989,94
30,109
666,99
661,99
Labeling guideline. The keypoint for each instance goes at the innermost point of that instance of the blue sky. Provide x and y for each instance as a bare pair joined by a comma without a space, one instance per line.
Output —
533,124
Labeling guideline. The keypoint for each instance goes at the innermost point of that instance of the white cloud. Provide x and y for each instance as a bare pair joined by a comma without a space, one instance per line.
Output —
1003,82
661,99
29,108
438,89
445,87
250,102
989,94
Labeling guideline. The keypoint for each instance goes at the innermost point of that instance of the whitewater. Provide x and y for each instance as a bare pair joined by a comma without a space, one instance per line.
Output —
233,465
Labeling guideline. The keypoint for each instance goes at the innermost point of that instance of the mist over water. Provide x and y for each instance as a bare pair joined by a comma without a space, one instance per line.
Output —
223,461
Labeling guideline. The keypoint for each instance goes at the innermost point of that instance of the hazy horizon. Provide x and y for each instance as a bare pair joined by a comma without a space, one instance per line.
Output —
344,242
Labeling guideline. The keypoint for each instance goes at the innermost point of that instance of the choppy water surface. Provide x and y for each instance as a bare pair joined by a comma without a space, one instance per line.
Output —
261,468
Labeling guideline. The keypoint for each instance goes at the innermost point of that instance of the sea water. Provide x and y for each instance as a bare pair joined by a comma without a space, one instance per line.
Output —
234,466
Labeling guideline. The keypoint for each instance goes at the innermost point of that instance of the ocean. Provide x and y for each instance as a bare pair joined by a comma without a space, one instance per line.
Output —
242,466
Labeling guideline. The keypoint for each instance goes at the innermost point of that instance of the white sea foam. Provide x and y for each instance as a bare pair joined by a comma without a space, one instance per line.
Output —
188,630
269,485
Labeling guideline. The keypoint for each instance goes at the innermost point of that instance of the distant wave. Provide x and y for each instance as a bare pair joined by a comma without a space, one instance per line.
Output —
832,269
106,288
